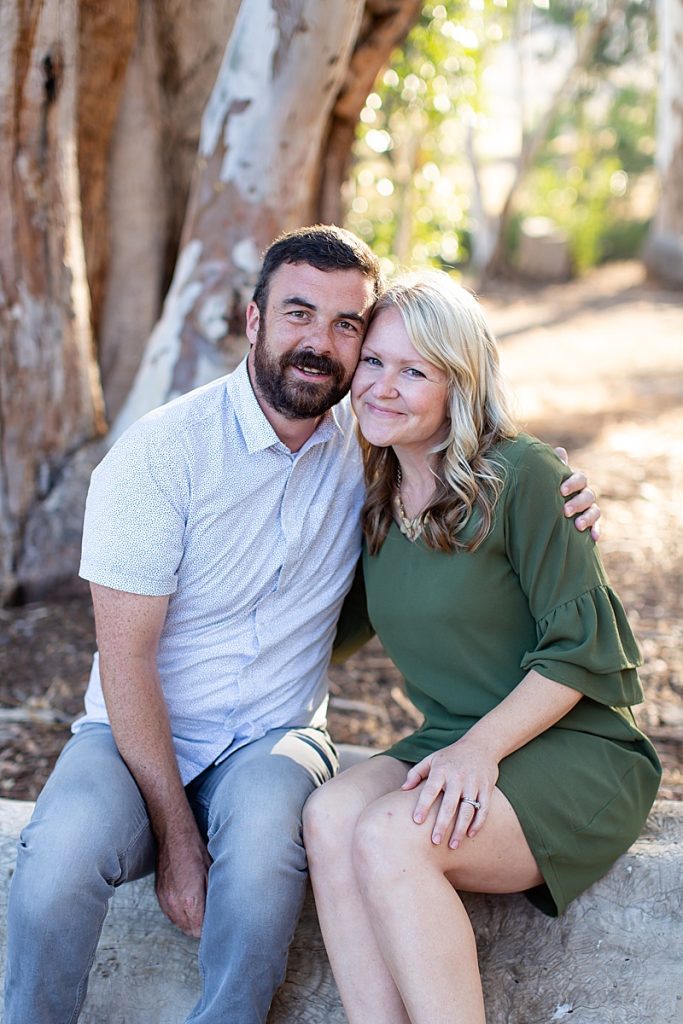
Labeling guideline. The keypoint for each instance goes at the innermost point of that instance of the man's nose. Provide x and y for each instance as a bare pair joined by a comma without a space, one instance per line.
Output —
318,339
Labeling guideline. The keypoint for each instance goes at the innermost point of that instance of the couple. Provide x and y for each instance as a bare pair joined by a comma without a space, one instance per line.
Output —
221,538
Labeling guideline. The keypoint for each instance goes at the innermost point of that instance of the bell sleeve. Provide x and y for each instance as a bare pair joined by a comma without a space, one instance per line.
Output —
583,638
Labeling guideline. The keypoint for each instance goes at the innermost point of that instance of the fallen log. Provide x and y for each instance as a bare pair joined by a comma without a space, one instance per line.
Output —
613,958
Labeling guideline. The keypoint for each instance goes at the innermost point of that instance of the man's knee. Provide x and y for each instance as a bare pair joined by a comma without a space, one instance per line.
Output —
87,828
256,818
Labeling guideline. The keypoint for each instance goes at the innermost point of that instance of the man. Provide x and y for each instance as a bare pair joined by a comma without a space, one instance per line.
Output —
220,539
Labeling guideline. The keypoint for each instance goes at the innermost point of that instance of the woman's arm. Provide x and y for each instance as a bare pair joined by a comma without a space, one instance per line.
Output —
468,768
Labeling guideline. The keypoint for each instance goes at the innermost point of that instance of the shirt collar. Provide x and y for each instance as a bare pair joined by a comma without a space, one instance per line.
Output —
257,431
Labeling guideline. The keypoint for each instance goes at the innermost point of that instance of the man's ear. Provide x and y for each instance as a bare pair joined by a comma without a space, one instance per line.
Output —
253,321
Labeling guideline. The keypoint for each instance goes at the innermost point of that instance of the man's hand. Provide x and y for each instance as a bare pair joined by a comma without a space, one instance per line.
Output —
182,868
581,503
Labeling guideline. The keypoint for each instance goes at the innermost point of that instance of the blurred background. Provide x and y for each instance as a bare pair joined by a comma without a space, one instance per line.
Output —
500,126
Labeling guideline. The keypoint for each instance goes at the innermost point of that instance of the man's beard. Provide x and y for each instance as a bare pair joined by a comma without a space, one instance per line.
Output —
294,398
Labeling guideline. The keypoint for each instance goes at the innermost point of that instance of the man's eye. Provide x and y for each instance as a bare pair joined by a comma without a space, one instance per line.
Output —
348,325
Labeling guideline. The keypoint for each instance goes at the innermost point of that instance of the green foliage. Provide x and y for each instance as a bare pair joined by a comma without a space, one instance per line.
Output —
410,189
411,192
587,175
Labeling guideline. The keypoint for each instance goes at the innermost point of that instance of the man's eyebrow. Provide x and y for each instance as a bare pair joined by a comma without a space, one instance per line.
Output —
295,300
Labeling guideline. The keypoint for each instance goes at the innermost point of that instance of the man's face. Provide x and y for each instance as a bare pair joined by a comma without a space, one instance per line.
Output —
306,346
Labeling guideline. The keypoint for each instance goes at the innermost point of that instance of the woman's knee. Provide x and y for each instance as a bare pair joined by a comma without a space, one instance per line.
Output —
387,842
330,815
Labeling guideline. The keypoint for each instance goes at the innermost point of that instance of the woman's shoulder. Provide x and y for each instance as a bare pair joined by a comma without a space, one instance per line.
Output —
532,472
526,451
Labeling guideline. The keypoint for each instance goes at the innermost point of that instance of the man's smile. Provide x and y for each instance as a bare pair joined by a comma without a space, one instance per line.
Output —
310,371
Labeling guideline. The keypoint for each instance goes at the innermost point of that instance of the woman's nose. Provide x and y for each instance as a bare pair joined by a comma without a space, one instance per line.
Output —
385,386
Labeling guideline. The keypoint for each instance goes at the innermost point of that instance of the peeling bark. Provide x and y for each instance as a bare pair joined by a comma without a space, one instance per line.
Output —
97,212
50,397
664,251
172,70
259,153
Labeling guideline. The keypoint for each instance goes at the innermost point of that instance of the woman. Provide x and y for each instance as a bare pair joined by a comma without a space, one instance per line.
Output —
528,773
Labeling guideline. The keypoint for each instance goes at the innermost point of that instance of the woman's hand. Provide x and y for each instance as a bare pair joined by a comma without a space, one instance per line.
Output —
461,773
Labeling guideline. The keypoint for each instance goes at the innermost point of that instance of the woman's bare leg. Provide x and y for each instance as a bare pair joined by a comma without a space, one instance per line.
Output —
420,924
366,987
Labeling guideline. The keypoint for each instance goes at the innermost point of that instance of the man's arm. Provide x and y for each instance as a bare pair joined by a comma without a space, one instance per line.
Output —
128,630
580,501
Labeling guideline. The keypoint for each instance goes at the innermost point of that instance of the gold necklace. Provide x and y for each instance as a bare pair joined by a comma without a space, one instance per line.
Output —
410,528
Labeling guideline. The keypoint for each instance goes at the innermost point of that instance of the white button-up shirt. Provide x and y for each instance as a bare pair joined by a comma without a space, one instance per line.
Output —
256,546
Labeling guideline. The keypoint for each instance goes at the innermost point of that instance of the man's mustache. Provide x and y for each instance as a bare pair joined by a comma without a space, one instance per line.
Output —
305,360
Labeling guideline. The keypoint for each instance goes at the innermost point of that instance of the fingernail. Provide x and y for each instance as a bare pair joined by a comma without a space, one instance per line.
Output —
418,818
454,844
436,839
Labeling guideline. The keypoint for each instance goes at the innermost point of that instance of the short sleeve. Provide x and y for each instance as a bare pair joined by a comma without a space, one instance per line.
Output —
354,628
136,513
583,636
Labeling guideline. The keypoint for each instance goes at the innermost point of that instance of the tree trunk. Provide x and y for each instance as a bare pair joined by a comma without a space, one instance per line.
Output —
106,37
50,396
664,251
169,80
293,79
259,153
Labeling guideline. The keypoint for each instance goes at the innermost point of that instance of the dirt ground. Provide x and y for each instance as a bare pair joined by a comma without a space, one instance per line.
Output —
596,365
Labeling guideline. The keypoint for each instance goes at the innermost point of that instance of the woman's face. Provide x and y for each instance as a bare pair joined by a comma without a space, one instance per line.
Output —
400,399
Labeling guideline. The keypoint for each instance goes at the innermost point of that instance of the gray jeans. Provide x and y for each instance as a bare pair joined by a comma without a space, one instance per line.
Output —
90,832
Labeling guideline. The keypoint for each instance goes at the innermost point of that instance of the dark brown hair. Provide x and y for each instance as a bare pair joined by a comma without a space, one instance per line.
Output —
323,246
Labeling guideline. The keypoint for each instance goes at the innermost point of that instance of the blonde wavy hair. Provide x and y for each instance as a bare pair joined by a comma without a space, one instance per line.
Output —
448,328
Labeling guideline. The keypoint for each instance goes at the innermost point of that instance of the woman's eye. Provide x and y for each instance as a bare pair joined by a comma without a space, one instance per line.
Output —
370,360
412,372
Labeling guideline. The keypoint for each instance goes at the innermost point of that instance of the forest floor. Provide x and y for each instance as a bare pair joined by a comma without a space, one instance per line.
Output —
597,366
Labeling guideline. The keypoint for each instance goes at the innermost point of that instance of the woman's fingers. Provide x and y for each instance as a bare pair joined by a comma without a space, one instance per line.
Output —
458,816
417,773
428,794
464,818
481,815
459,792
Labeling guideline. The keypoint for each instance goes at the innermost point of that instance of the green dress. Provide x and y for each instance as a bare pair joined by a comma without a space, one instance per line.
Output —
464,628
